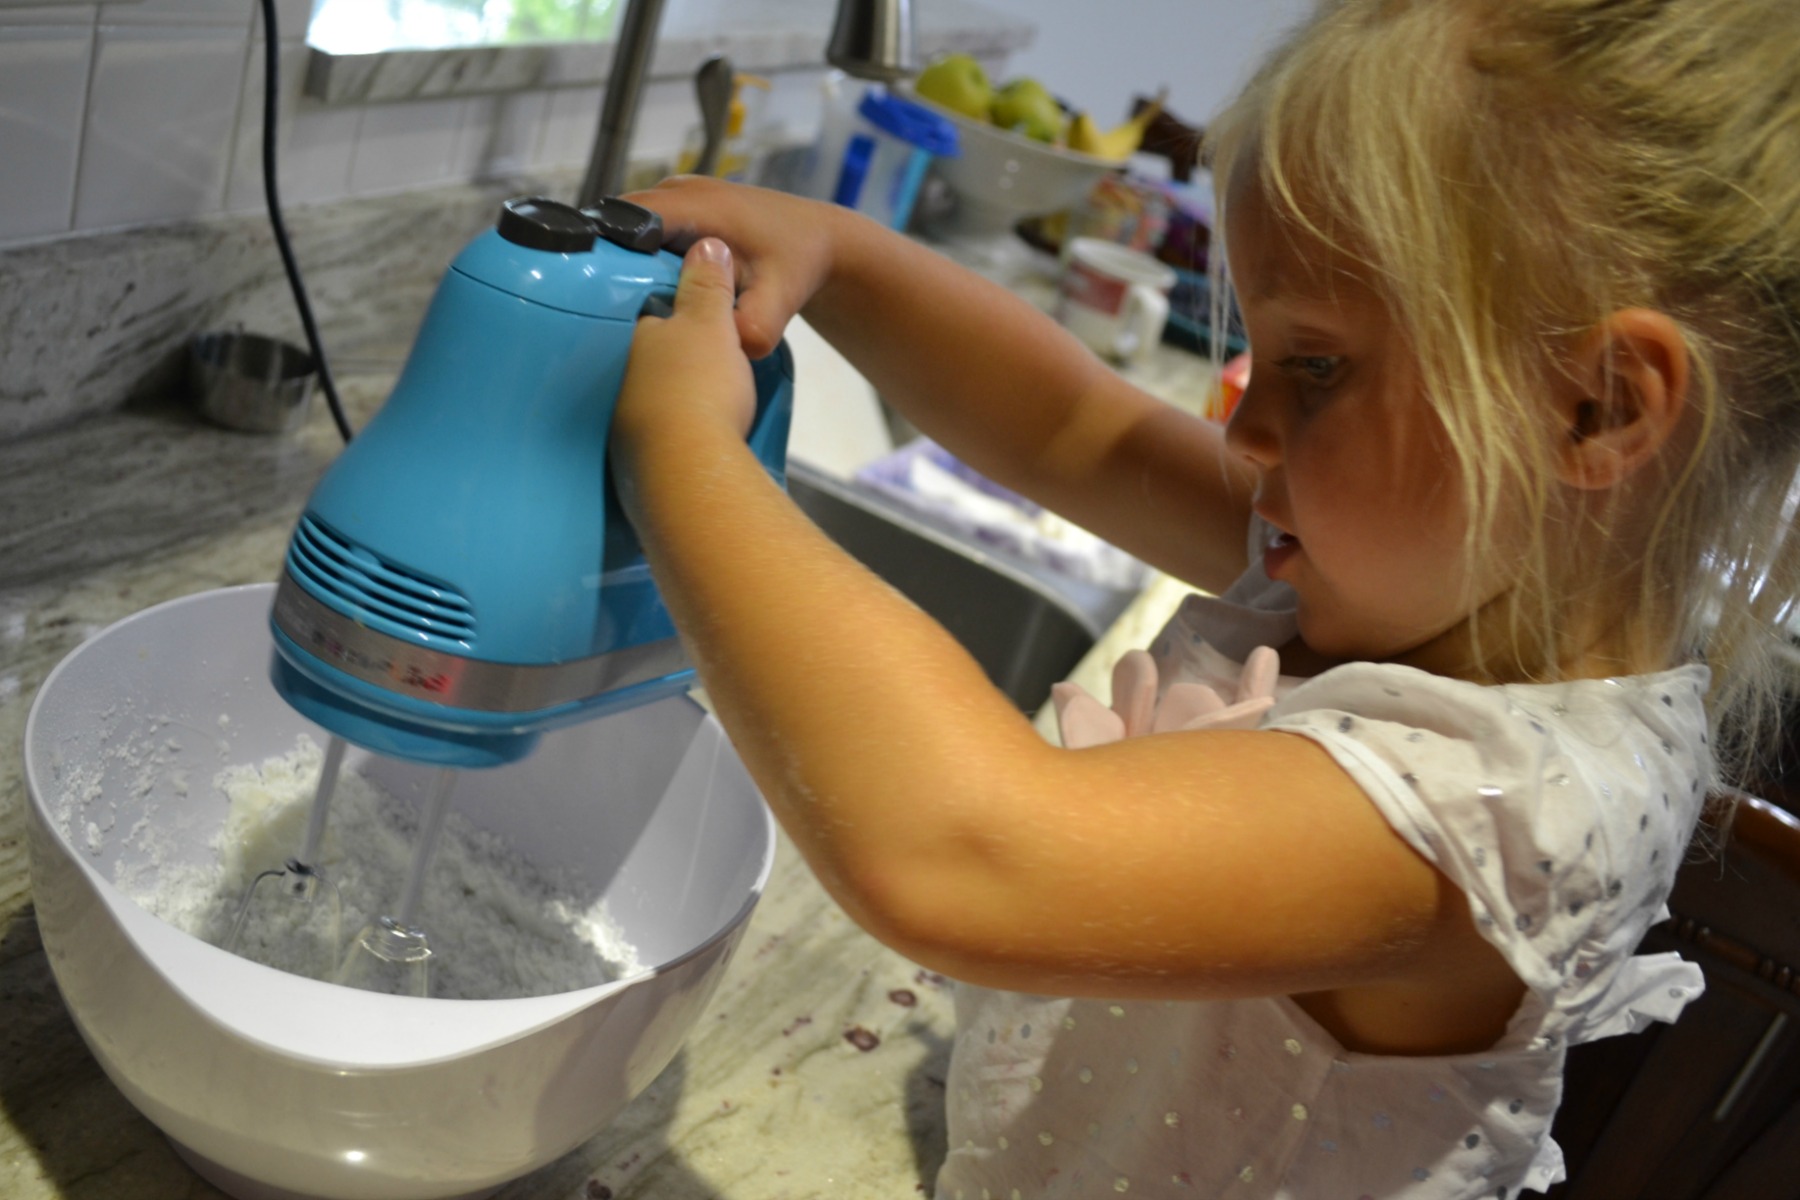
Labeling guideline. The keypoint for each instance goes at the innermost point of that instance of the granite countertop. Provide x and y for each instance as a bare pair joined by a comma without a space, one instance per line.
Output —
819,1068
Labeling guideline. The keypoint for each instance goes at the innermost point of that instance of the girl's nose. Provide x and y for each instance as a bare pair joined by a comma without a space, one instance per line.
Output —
1250,431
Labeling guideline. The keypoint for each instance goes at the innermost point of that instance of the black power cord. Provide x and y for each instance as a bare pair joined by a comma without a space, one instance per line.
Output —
271,94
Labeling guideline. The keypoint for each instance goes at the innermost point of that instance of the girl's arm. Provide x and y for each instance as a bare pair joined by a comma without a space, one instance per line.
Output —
1182,865
981,371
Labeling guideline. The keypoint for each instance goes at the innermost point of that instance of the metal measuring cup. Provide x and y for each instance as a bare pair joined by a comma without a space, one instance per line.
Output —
250,382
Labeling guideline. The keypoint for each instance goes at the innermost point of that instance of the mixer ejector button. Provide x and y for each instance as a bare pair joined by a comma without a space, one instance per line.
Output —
625,224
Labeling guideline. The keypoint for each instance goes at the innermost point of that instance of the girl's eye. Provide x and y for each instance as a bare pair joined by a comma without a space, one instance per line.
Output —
1316,369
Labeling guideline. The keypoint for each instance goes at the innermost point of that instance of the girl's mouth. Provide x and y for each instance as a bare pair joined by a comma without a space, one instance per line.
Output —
1279,553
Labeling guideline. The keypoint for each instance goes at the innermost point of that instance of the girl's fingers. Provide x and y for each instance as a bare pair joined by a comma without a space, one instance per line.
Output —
758,332
1245,714
708,288
1185,703
1261,670
1083,720
1134,691
772,237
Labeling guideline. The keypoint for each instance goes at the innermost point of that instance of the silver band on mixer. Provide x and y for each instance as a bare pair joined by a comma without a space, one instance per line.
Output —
458,682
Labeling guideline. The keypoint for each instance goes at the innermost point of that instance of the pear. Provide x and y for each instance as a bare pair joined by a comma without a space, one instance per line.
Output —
958,83
1026,106
1085,136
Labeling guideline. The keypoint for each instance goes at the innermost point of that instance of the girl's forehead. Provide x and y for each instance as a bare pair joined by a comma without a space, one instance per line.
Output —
1274,257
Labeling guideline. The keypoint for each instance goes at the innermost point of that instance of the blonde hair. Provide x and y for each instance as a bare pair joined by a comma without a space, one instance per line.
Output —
1511,172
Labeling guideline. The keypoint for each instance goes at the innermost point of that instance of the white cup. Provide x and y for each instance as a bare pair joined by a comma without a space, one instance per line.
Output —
1114,298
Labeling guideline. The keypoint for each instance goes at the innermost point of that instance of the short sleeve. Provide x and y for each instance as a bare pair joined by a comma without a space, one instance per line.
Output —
1561,811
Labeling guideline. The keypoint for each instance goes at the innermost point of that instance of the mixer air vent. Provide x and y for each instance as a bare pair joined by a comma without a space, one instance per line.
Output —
382,593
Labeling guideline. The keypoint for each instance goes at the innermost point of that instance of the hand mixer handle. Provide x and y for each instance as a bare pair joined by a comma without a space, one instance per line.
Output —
774,410
774,395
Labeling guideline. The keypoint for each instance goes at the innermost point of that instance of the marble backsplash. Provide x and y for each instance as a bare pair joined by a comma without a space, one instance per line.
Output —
92,322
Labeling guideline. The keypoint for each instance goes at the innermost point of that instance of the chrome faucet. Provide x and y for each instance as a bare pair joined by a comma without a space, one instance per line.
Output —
871,39
625,81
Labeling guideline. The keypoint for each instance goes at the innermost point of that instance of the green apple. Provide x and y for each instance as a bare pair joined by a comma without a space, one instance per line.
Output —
957,82
1026,106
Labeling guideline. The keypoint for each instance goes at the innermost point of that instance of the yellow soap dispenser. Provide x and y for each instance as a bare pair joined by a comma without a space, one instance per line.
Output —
738,157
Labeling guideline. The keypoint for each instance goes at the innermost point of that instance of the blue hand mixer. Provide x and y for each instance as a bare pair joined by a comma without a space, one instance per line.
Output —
462,578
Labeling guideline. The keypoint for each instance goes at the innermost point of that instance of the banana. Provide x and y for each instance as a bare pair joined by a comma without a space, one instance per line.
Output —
1116,144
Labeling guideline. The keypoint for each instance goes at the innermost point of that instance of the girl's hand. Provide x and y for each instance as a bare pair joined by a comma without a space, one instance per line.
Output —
783,245
686,367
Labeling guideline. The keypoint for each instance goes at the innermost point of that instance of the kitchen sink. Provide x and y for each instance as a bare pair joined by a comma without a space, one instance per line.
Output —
1026,626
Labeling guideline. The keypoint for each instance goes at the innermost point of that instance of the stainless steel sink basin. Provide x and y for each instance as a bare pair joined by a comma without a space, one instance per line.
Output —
1025,626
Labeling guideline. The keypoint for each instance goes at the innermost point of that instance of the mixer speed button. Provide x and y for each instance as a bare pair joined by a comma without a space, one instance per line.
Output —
538,223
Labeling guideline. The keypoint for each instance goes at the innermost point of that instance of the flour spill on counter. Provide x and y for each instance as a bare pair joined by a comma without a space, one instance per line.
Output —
499,927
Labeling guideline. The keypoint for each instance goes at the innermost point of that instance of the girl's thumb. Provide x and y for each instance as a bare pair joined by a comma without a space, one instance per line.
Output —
708,286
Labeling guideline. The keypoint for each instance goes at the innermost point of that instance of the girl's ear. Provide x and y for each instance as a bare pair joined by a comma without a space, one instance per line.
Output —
1623,398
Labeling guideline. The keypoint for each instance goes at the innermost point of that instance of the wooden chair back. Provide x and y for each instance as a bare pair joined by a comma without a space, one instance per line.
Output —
1707,1108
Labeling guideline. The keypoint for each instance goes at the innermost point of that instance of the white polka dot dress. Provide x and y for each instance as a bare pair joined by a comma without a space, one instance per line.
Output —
1562,812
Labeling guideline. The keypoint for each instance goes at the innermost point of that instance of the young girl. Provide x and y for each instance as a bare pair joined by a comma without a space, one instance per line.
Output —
1522,282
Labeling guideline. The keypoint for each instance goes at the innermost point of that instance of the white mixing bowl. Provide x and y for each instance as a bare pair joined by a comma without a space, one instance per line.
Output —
276,1086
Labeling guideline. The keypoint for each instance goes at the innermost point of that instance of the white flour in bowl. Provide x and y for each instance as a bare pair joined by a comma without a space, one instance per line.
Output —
498,927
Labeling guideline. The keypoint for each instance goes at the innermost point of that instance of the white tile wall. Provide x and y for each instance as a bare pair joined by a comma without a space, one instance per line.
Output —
405,145
291,17
114,114
162,107
178,12
47,14
313,145
568,127
43,94
667,112
499,135
318,151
